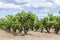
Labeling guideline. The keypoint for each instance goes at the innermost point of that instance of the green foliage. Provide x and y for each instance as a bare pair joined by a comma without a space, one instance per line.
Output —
23,21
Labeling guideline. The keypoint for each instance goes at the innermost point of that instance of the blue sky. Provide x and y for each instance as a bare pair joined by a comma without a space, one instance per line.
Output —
40,7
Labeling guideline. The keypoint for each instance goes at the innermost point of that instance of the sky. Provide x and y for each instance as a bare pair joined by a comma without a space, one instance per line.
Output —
40,7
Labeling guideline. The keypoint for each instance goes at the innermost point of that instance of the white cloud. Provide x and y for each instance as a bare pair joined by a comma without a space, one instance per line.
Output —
30,0
46,4
9,6
20,1
36,3
57,2
45,10
30,3
27,5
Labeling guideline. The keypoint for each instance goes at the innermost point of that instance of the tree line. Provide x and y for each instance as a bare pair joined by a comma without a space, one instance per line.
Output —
25,21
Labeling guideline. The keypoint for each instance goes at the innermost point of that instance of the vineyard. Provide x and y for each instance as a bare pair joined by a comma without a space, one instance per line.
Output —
26,21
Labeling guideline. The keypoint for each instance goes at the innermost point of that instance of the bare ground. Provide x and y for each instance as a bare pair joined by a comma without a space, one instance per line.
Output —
30,36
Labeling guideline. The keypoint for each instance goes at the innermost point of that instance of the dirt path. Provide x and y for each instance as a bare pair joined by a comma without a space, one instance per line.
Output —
31,36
